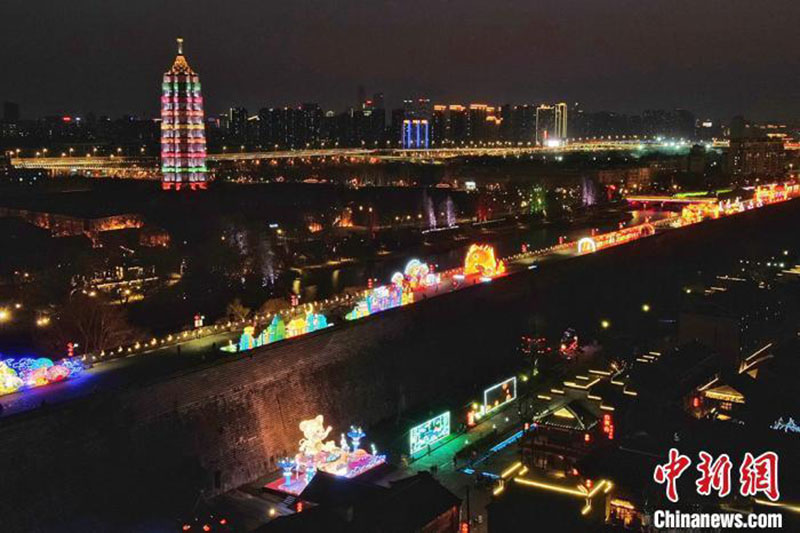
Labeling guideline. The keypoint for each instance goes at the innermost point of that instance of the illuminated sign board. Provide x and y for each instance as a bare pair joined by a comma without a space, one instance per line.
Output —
430,432
499,395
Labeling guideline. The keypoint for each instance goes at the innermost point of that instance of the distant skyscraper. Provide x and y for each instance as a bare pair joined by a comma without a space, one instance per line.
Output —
545,124
416,133
183,138
561,121
237,123
361,96
377,101
417,108
523,124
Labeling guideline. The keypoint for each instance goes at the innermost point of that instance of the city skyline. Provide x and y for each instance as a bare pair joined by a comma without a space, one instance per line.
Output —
291,52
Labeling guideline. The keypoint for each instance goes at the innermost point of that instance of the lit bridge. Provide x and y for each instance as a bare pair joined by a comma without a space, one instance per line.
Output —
93,165
148,166
399,154
671,199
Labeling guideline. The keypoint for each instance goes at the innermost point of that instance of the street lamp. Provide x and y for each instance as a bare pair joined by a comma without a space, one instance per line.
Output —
646,308
605,324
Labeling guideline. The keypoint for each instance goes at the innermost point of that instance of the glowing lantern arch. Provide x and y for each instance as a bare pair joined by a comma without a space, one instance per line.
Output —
587,245
647,230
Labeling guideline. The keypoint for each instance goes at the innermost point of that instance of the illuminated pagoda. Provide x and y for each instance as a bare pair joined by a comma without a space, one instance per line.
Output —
183,137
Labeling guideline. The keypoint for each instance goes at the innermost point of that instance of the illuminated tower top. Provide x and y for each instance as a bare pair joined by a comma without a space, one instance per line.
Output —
181,66
183,139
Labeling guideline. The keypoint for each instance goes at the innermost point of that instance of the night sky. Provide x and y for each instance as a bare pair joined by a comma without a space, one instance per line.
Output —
716,57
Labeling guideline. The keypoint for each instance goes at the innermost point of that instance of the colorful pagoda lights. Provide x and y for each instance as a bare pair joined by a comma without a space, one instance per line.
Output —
278,330
183,137
28,372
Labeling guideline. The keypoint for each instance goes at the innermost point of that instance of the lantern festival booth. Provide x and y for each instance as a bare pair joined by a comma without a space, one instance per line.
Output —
346,459
278,330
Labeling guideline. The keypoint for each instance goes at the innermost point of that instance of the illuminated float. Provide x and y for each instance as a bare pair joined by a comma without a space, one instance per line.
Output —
416,275
278,330
28,372
480,260
380,299
769,194
316,454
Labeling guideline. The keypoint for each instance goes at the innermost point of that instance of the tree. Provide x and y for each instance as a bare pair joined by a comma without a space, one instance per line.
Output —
273,306
90,322
236,310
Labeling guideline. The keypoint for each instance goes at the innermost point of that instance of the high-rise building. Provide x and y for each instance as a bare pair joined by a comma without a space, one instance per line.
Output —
396,127
416,133
237,123
752,154
361,96
290,127
545,124
561,122
377,101
5,166
457,123
370,121
439,125
417,108
476,122
523,124
183,138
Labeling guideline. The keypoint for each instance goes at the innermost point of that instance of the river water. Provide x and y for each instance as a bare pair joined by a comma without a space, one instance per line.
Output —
323,282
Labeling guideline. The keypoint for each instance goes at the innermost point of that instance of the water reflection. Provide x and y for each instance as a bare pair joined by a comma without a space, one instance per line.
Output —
325,282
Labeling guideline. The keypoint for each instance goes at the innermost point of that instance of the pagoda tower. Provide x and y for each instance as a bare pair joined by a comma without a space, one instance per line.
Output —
183,136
